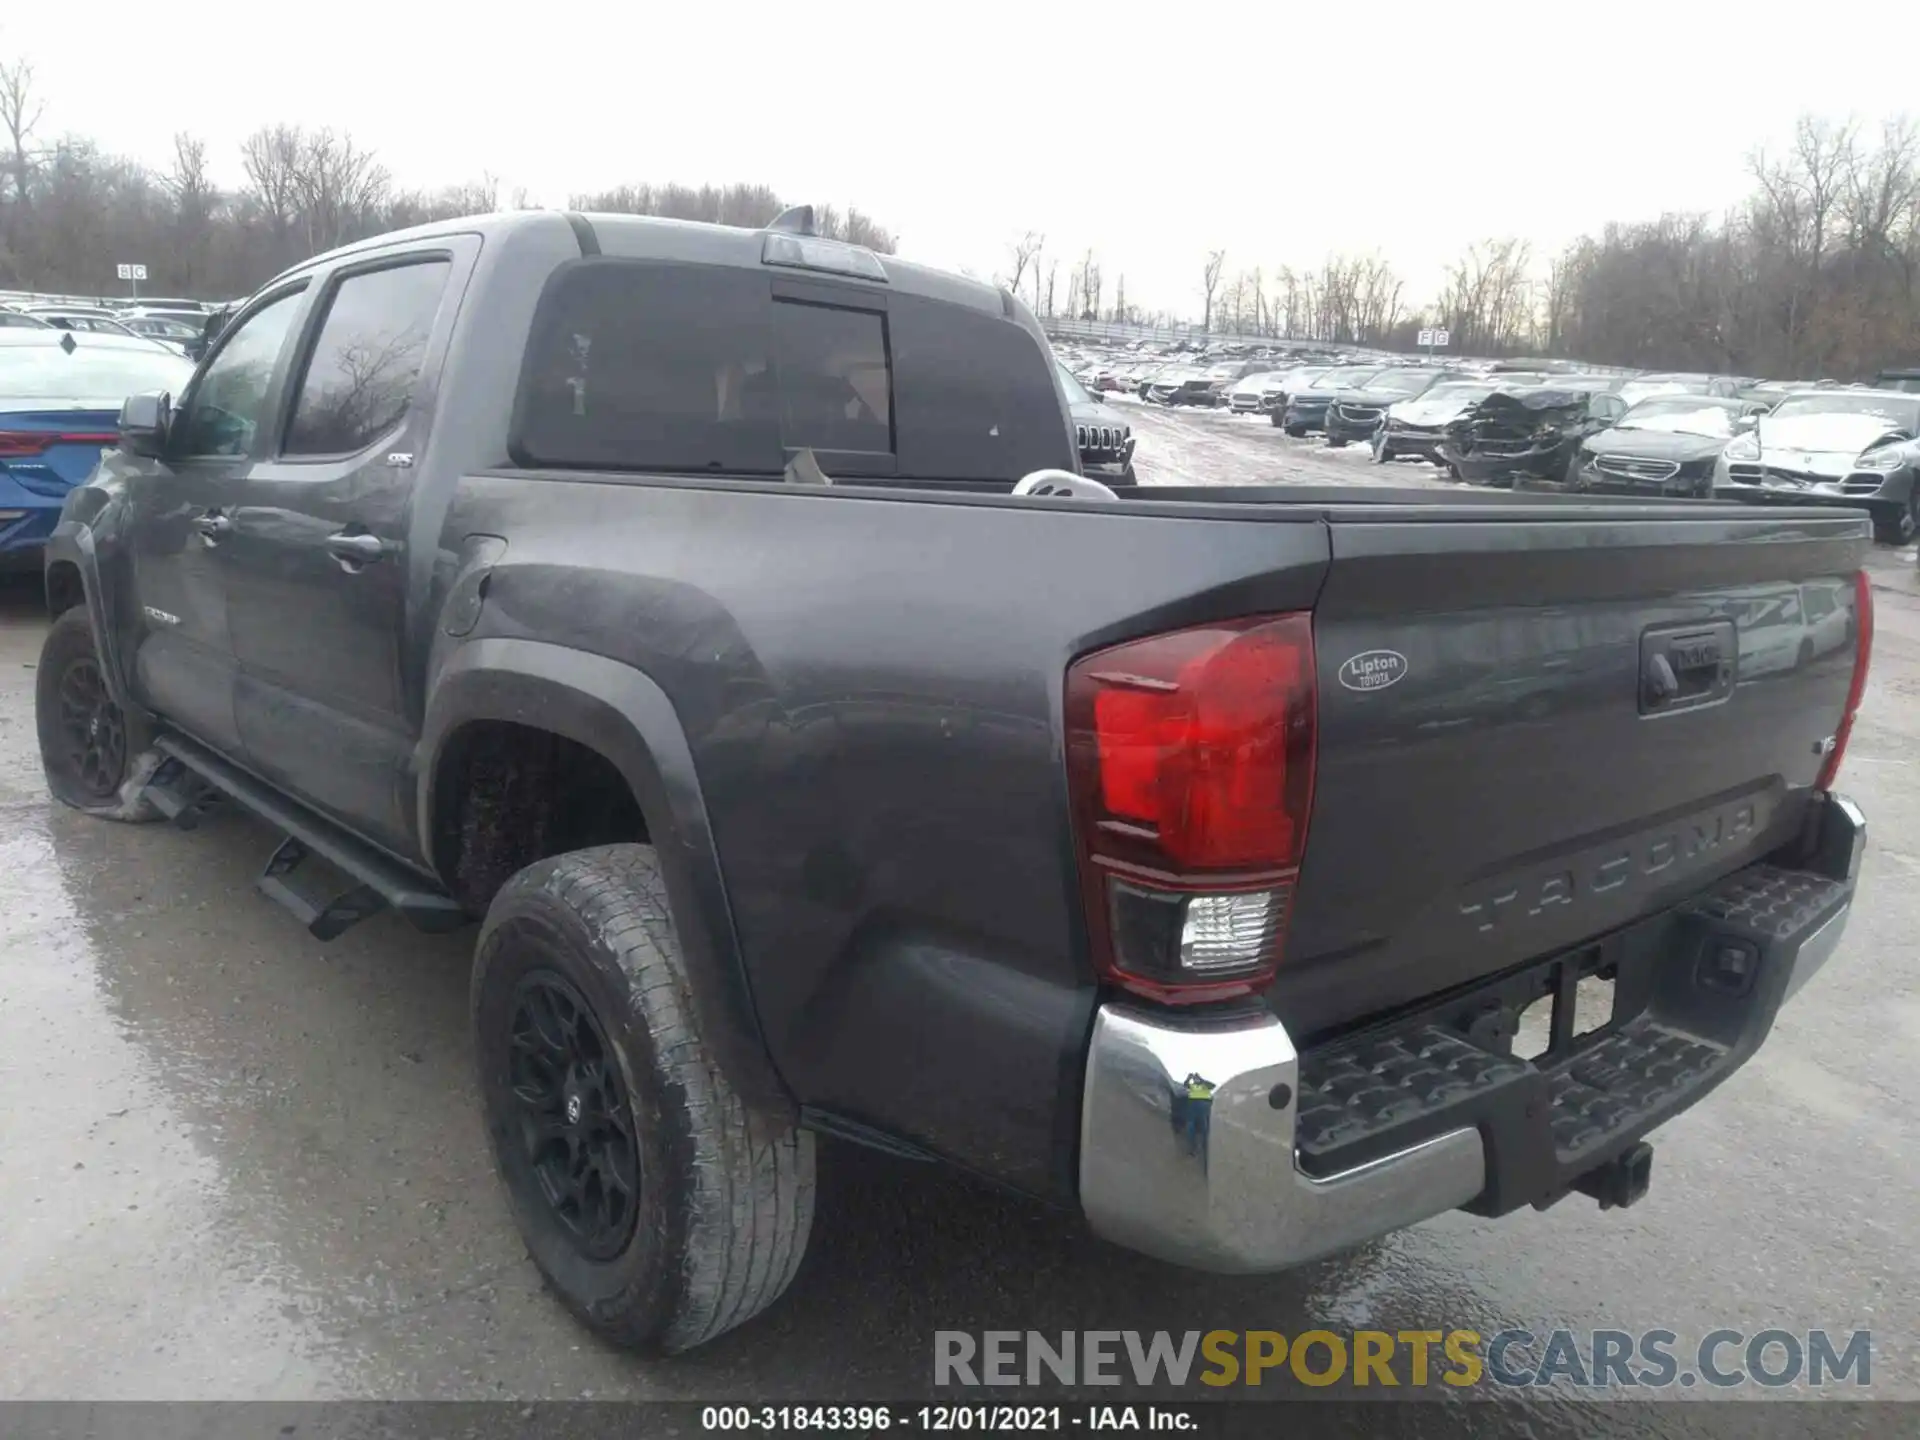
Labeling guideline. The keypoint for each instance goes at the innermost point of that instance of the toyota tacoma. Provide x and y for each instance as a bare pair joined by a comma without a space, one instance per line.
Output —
718,618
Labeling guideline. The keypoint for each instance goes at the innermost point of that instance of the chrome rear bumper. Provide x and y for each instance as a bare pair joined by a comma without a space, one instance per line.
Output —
1189,1148
1211,1183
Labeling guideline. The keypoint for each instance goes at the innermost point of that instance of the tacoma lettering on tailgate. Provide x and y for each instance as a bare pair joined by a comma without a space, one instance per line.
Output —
1611,868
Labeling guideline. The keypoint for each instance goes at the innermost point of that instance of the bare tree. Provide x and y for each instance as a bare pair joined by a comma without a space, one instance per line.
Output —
337,184
1215,260
20,113
1024,251
194,197
271,158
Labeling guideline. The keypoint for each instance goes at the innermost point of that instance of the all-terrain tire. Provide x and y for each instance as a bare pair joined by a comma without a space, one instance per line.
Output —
104,772
726,1195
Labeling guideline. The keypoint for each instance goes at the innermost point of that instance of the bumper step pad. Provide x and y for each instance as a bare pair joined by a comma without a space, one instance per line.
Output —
1379,1084
1630,1075
1767,902
1695,992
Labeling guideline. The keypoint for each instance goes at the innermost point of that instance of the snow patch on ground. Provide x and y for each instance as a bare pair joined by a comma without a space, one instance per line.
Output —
1189,446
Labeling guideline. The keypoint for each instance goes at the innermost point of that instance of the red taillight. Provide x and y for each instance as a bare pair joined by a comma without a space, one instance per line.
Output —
17,444
1862,658
1190,759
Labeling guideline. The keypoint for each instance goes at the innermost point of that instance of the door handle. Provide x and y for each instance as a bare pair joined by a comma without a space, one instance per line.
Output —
355,550
212,526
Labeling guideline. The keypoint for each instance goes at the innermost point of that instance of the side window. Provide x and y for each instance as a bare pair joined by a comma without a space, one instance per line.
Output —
366,359
836,390
230,398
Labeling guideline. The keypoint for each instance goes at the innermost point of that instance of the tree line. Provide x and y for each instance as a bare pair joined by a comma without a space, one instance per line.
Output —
1815,273
70,212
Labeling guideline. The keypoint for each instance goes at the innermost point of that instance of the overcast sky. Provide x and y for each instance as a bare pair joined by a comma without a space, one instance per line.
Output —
1152,133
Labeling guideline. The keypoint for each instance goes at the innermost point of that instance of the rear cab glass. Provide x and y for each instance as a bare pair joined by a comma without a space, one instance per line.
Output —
667,366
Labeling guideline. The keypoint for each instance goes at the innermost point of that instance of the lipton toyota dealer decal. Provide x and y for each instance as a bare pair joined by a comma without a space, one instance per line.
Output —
1372,669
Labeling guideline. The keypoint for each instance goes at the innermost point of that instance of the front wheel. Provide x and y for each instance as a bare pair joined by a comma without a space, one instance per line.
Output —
95,755
1298,432
658,1208
1898,524
1382,451
1336,442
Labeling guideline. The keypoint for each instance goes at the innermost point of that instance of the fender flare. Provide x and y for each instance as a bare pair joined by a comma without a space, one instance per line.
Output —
621,713
72,543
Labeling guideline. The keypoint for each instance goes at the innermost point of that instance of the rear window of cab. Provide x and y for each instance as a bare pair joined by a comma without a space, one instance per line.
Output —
726,370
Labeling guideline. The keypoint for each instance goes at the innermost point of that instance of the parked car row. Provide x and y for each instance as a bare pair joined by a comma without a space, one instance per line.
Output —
1674,435
1550,423
173,324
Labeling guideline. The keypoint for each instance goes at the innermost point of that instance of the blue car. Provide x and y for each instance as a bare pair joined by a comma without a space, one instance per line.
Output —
60,395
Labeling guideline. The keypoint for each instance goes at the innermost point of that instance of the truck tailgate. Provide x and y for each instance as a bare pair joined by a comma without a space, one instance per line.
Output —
1537,727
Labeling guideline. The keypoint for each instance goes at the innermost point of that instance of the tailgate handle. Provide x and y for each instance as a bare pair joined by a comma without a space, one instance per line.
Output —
1680,669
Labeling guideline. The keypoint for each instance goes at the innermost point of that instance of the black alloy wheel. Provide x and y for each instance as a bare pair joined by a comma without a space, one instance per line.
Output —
91,736
574,1123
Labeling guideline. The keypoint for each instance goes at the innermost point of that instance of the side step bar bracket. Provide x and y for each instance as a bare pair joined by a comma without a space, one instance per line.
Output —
323,921
179,794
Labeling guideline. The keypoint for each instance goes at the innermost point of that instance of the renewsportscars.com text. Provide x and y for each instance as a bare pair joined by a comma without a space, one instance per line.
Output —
1584,1359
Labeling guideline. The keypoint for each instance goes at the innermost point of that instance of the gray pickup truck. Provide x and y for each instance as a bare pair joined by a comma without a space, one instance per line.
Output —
718,617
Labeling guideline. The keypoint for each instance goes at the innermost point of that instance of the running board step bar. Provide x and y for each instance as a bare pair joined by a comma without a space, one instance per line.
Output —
380,882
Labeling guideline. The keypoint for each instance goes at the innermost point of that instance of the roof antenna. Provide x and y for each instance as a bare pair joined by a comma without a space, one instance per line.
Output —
795,220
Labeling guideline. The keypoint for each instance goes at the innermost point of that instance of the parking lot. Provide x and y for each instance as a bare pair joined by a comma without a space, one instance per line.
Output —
235,1162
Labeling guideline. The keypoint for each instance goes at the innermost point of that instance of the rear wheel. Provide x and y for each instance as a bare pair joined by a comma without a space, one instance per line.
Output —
95,755
1298,432
657,1207
1336,442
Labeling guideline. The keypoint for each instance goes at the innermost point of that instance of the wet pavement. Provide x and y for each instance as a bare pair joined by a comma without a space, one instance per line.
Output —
237,1163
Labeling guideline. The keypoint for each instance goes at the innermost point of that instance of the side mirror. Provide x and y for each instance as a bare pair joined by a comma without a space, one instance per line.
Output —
143,424
1743,423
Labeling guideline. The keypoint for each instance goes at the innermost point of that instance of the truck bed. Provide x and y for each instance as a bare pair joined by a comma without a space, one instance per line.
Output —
870,678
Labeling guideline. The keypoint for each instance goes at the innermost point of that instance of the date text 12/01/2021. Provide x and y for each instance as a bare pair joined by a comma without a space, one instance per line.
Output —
990,1419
